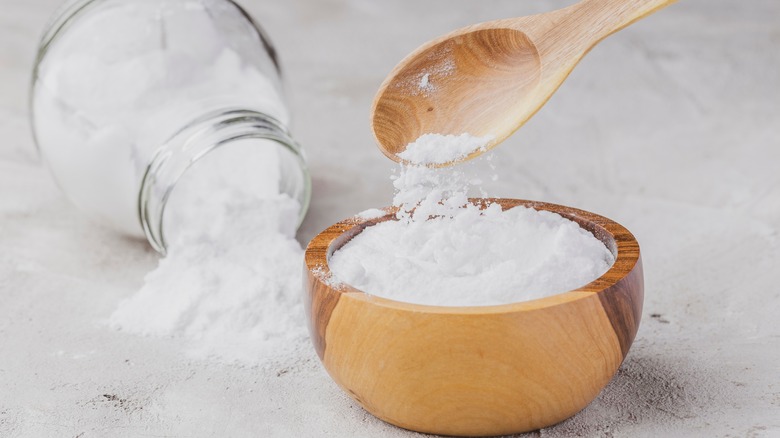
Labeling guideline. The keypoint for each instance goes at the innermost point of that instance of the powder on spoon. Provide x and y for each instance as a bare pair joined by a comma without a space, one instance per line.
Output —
440,149
444,251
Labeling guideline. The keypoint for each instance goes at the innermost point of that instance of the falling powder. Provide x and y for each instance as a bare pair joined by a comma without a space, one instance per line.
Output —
440,64
443,250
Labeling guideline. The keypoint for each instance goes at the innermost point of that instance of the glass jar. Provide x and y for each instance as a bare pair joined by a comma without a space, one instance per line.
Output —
129,95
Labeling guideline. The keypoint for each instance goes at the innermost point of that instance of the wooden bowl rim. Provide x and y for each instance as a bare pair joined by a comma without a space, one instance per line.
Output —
625,248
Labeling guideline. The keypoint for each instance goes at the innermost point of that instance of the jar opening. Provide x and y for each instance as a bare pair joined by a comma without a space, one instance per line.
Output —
236,160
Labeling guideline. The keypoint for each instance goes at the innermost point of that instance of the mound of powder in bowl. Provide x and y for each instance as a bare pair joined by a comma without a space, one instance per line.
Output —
475,258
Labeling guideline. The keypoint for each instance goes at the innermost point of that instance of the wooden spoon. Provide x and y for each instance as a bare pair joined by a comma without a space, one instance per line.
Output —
490,78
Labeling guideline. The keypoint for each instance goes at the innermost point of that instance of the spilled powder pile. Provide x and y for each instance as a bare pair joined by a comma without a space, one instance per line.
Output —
442,250
230,284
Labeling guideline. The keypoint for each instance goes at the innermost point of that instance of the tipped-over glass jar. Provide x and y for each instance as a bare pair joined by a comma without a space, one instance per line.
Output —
129,96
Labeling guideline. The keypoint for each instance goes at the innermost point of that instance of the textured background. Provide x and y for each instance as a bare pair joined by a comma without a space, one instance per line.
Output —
670,127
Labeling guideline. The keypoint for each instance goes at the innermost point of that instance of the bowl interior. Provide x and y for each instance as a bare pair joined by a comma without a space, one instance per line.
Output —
618,240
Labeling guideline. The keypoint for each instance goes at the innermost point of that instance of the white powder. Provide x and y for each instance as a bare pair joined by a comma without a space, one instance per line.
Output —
371,213
117,84
230,285
440,149
439,65
425,81
442,250
122,79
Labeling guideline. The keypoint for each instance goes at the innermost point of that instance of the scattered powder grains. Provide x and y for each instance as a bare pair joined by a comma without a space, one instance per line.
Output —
440,65
444,251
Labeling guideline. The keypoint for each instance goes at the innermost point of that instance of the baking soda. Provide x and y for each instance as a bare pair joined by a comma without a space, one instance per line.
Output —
371,213
443,250
440,149
122,80
230,284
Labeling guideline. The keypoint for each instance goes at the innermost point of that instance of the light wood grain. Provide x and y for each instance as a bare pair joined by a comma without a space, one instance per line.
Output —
489,79
476,370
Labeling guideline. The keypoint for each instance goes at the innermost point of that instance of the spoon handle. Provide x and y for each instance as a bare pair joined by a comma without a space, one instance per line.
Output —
605,17
564,36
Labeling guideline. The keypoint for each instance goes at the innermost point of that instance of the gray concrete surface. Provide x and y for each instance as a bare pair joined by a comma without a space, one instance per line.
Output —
671,127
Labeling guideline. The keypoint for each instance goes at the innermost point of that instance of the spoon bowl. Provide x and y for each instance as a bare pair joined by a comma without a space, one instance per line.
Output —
502,64
488,79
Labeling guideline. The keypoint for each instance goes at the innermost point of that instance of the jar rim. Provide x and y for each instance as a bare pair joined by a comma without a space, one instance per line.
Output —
196,141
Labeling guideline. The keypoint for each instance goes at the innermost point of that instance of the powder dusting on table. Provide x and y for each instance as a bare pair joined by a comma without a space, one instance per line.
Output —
425,81
439,65
453,253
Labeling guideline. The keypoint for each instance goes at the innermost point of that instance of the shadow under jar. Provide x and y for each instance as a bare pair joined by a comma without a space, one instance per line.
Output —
129,95
482,370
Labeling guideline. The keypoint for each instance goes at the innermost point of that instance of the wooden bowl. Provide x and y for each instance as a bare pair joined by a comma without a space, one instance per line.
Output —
490,370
